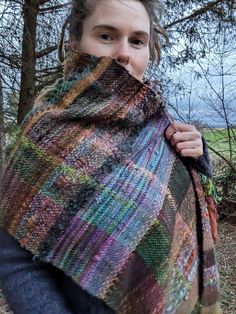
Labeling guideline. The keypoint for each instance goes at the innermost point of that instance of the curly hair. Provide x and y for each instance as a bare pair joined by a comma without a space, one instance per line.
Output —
81,9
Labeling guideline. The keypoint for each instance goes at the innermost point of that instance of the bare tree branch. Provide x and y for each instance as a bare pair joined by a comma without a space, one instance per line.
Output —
42,2
54,8
46,51
196,13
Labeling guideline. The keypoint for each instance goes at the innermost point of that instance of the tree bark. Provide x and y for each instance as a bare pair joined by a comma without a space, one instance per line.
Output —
1,130
28,67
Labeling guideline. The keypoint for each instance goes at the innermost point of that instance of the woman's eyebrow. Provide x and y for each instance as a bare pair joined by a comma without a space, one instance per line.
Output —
112,28
142,33
107,26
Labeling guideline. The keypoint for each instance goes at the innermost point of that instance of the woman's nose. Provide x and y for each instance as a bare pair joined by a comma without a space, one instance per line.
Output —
122,54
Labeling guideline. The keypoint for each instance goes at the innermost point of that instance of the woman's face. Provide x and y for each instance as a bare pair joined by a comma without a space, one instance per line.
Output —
119,29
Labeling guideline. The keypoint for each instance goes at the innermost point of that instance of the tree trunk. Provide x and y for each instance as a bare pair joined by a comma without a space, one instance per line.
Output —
28,68
1,130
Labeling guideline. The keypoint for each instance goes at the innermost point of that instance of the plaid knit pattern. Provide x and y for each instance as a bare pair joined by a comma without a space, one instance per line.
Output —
93,188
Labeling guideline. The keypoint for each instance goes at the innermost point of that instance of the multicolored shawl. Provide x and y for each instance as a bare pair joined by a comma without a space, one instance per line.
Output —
93,188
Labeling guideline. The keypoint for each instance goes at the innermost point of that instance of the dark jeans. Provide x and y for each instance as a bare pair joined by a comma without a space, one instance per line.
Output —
80,301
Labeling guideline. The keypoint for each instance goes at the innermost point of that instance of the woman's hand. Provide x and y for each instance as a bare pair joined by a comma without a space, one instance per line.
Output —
185,138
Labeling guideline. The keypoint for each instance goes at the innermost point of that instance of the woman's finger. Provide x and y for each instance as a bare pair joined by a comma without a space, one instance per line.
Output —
183,127
193,145
190,152
184,136
169,132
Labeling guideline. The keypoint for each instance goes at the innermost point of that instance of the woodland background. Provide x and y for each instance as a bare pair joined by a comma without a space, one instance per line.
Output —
198,73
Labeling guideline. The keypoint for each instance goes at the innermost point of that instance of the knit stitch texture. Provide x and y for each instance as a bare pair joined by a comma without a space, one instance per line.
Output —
93,188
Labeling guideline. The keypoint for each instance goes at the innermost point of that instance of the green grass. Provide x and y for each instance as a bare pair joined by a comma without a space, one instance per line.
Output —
218,140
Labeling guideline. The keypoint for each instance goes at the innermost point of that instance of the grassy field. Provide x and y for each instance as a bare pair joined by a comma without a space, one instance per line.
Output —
218,140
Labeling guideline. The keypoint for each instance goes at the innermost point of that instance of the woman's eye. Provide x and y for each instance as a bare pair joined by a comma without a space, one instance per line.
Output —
106,37
137,42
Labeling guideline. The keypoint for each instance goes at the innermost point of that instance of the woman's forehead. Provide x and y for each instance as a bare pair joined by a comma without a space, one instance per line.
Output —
128,13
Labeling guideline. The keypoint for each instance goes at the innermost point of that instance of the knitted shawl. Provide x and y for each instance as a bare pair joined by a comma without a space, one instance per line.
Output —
93,188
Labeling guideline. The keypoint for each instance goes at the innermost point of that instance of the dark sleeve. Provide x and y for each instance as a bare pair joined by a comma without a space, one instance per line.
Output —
203,164
28,286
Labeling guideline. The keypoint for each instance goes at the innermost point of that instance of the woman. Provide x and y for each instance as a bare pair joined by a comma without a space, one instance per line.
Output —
94,188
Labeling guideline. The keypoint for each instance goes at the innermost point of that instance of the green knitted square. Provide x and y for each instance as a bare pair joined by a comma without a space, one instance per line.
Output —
155,248
197,308
179,182
30,154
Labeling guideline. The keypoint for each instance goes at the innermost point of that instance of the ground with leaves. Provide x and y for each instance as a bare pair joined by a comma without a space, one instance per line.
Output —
226,254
